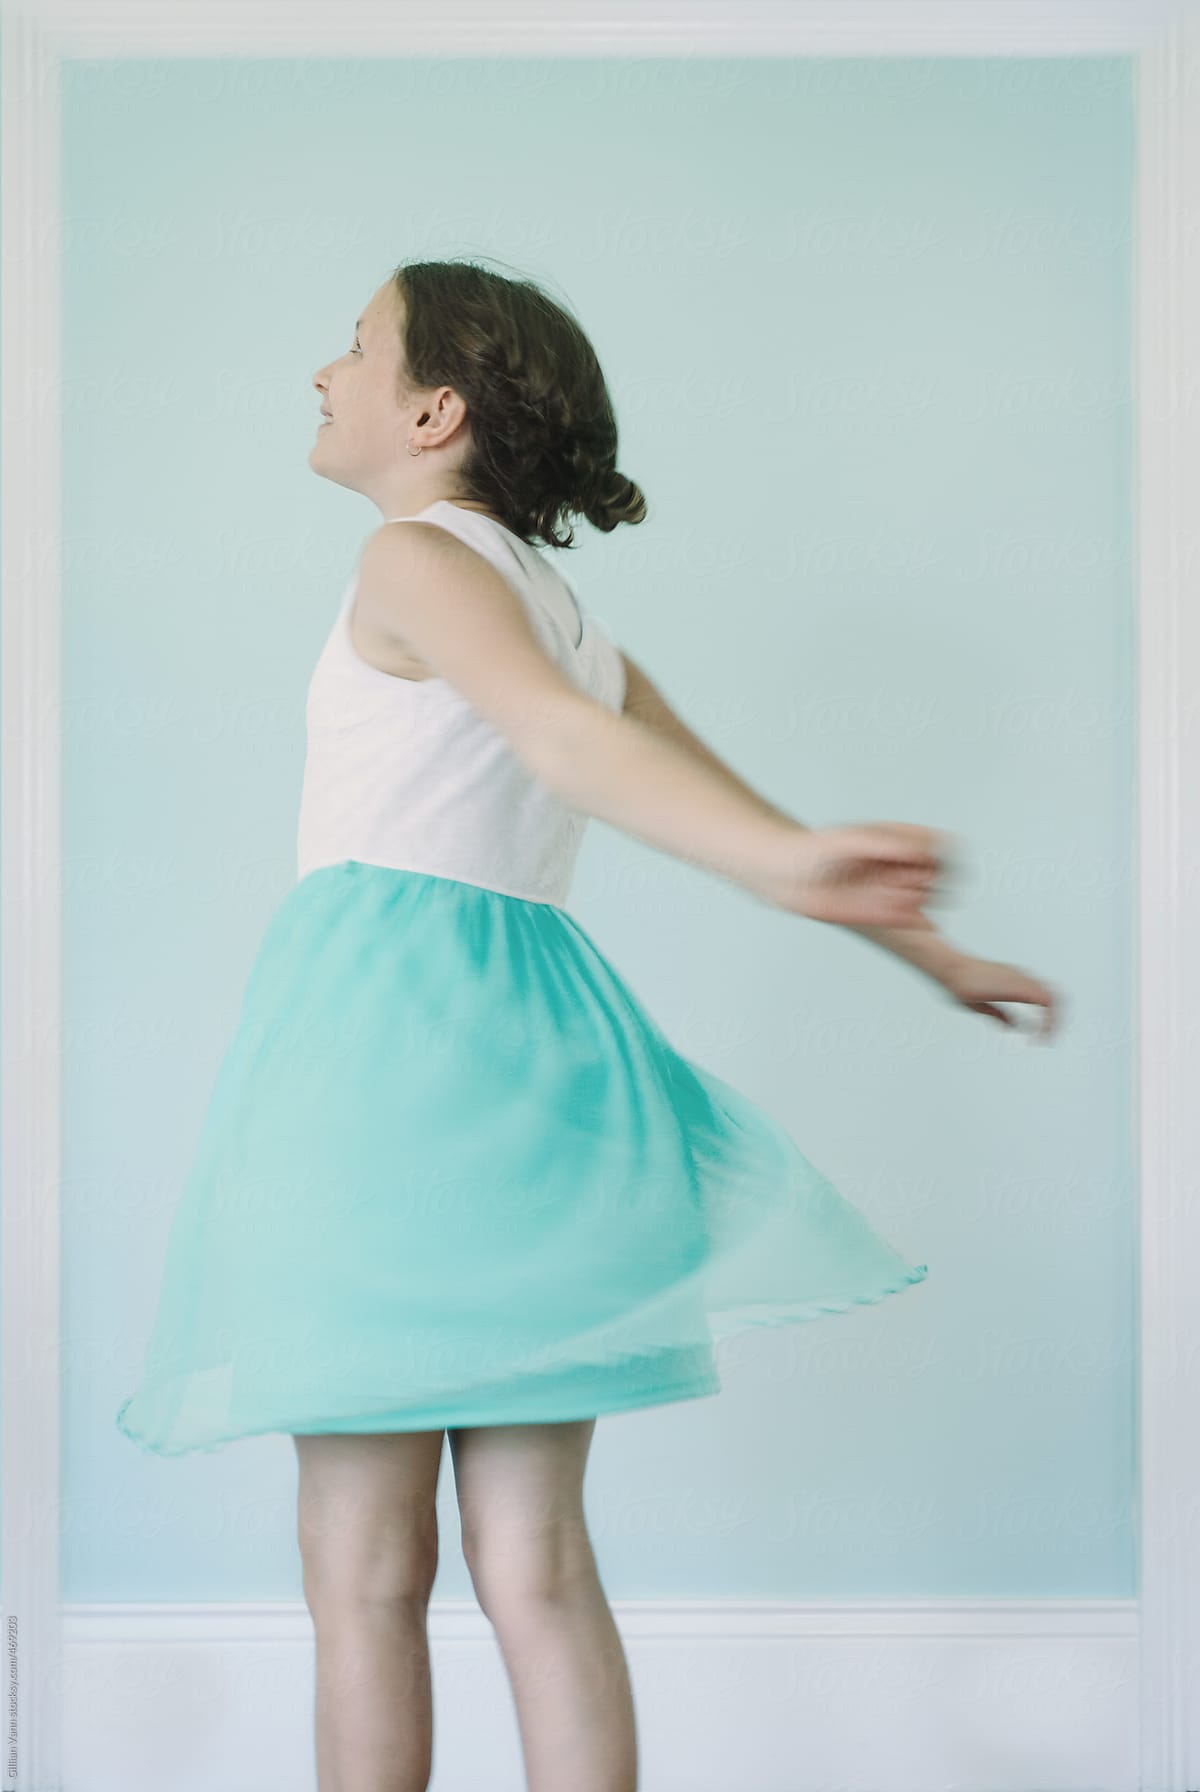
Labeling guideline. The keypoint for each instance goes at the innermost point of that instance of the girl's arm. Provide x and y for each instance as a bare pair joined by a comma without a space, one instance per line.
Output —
423,586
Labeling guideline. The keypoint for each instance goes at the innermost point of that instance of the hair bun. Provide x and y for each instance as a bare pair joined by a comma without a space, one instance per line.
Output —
619,501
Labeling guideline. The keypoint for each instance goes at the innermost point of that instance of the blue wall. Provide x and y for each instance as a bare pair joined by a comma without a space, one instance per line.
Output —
868,328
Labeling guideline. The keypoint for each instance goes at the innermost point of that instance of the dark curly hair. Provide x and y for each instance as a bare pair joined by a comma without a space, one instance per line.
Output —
543,434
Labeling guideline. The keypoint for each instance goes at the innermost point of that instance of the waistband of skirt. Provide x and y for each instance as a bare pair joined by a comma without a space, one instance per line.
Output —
466,883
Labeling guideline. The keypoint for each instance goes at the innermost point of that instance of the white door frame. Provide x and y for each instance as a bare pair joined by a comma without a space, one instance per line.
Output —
1165,40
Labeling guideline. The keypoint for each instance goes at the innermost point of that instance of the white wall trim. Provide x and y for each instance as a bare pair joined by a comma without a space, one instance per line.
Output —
600,27
1165,1709
30,884
731,1696
1168,339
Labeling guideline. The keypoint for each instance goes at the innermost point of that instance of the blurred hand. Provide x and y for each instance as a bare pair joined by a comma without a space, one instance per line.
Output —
875,874
980,983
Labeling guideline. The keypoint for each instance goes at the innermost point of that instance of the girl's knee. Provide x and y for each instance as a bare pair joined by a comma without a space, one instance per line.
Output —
354,1574
367,1521
520,1502
517,1571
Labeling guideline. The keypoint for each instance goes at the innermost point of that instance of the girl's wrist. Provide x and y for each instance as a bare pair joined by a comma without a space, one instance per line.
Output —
924,948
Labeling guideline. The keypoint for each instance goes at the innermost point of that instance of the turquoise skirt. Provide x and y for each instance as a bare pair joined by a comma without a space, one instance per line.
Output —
452,1173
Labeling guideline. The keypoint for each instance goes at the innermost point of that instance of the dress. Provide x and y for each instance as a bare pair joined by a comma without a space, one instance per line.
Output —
451,1171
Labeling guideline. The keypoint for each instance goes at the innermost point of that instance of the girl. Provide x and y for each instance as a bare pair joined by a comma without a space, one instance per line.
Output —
453,1177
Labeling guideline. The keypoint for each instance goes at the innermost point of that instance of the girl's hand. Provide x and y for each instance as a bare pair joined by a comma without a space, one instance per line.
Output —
979,983
877,874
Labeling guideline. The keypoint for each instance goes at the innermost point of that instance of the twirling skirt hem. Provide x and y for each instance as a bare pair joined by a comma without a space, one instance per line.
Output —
723,1325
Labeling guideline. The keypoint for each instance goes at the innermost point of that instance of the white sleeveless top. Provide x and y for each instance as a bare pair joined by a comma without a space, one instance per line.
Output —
406,773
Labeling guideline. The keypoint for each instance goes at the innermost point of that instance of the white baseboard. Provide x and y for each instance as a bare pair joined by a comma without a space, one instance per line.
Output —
731,1696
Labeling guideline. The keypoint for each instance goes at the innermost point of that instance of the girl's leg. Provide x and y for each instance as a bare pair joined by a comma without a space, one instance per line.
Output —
525,1542
367,1508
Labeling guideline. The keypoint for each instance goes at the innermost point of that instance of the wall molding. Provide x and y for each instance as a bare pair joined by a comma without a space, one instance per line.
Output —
1071,1661
1168,472
30,900
732,1696
600,27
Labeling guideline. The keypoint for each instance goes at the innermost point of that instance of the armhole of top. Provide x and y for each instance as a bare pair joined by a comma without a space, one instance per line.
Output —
580,624
620,676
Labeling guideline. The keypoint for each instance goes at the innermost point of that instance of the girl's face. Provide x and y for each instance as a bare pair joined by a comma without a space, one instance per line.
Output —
366,430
